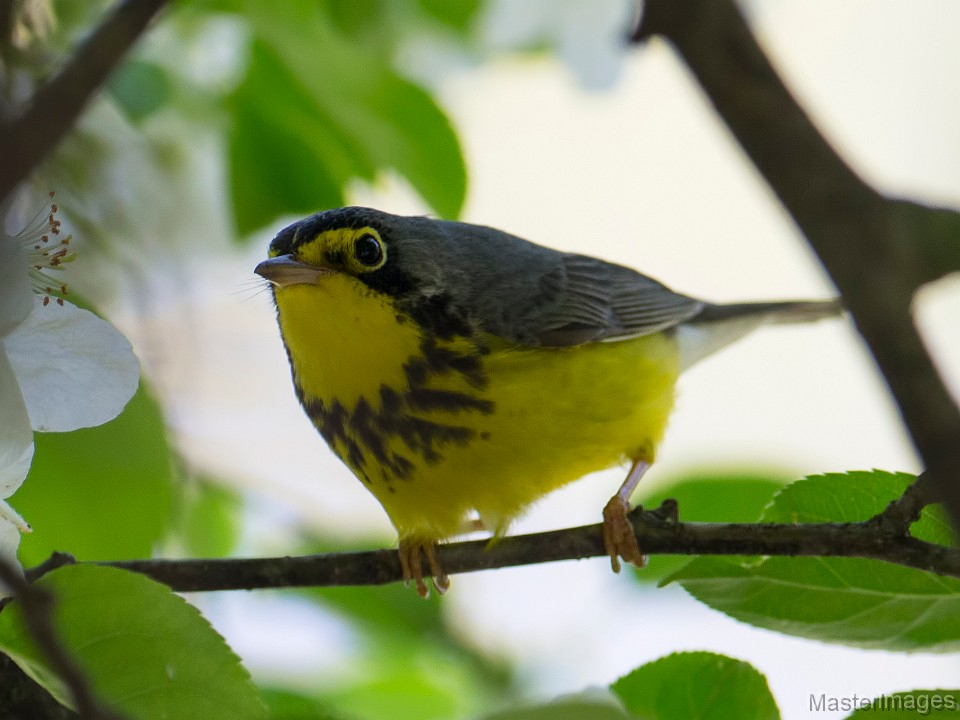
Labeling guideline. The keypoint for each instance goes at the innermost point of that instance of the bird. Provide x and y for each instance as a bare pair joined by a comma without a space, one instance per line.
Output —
462,373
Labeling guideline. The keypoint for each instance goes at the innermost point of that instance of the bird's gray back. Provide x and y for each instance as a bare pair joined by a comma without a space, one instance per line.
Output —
530,294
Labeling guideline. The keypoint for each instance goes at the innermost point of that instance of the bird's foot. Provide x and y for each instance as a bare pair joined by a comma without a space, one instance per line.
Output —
411,564
618,537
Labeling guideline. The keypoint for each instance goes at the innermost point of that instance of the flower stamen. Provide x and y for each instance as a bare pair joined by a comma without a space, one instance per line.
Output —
42,255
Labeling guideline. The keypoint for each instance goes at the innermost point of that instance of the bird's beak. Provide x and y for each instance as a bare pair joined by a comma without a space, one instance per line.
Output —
284,270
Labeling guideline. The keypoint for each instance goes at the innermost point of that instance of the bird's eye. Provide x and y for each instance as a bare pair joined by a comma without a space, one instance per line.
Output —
368,251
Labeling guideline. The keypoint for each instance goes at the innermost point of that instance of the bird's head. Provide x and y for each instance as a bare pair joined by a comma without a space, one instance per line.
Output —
354,241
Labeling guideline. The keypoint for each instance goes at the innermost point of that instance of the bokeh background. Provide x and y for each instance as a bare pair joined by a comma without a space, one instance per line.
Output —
567,138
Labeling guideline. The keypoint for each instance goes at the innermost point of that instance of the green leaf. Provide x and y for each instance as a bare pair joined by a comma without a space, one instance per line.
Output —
898,706
416,139
356,17
934,526
412,691
397,620
390,609
317,110
211,525
837,497
458,15
407,658
864,603
410,660
696,686
101,493
144,649
140,88
282,150
708,498
288,705
589,705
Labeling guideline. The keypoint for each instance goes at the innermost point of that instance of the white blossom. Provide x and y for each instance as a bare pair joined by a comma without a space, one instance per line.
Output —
61,367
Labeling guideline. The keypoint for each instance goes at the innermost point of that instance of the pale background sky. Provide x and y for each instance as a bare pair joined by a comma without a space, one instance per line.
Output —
643,174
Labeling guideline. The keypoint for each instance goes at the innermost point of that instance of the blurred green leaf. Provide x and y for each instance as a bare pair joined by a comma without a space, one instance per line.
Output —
843,600
697,685
459,15
211,524
408,646
412,691
282,150
142,647
904,705
288,705
386,608
317,110
589,705
404,636
140,88
101,493
355,17
708,498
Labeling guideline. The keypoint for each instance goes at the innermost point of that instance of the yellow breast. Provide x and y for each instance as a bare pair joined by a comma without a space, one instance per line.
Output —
439,428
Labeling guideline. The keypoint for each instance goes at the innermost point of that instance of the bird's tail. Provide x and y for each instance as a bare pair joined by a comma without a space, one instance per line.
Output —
716,326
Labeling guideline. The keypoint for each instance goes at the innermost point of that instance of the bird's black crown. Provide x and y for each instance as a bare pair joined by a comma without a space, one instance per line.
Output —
295,234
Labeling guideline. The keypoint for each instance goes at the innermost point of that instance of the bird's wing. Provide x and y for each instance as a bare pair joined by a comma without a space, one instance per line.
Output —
583,299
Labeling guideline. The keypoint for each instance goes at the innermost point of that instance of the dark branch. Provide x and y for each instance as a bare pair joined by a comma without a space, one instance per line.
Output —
901,513
877,250
658,533
27,139
22,699
37,606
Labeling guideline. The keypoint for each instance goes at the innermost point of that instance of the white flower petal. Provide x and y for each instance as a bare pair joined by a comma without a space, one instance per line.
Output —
16,296
74,369
16,437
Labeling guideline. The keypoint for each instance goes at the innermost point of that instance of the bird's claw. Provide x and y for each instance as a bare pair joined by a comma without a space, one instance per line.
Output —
619,539
411,566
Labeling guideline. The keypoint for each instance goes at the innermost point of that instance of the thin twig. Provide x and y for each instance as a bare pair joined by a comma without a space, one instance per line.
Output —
27,139
658,533
37,605
56,560
901,513
877,250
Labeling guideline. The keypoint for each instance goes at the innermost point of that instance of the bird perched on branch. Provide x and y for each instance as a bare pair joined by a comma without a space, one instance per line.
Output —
462,373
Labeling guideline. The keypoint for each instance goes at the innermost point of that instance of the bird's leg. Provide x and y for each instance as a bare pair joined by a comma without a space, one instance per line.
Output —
412,567
618,536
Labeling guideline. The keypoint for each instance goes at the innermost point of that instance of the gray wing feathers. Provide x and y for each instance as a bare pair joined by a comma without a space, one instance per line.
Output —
536,296
539,297
583,300
603,301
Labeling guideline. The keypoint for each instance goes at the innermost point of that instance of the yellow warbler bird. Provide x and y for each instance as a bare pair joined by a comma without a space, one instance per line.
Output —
460,370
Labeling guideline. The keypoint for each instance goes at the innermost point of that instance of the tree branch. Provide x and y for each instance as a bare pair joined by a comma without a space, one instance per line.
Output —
27,139
658,533
877,250
23,699
37,605
901,513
